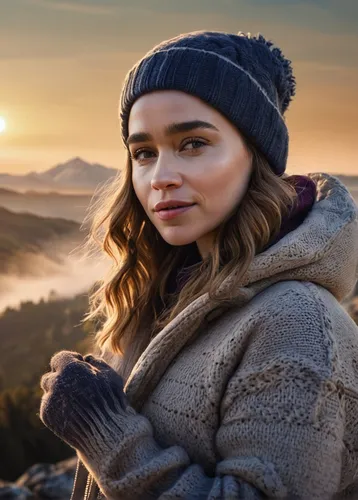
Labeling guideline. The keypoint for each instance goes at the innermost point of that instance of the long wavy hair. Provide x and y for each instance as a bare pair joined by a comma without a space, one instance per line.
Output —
131,304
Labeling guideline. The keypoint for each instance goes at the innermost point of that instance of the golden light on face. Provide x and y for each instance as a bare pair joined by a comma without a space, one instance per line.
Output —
2,124
213,176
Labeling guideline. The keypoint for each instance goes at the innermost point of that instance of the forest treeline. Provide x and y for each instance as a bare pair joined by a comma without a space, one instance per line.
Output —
29,336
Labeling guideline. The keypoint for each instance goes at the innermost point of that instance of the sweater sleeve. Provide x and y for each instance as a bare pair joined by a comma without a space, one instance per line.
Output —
280,434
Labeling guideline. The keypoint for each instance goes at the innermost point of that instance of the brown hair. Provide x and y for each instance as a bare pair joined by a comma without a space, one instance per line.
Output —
130,297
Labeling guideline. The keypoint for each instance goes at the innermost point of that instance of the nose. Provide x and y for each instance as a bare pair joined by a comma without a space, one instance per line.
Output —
165,176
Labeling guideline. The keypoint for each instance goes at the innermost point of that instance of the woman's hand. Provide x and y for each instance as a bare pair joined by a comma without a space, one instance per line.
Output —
80,394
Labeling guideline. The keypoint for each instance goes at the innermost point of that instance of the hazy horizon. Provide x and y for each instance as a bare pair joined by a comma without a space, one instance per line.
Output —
15,174
62,66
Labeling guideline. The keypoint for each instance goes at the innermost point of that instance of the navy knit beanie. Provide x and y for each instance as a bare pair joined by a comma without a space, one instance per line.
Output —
243,76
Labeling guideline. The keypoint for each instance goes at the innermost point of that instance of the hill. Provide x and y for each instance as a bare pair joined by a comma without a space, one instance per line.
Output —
51,204
24,234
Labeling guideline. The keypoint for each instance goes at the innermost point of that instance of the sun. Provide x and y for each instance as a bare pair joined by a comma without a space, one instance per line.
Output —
2,124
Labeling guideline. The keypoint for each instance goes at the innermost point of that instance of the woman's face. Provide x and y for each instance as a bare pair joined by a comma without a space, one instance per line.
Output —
207,165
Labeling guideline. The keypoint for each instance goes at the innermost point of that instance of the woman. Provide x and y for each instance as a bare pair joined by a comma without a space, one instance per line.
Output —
223,318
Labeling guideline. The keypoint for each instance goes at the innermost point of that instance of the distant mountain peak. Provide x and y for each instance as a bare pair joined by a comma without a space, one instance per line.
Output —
76,174
76,161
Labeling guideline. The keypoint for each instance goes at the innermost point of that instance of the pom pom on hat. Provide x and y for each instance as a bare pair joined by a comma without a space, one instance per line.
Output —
288,87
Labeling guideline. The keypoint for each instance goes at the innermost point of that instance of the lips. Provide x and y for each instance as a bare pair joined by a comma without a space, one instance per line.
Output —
167,213
175,207
170,204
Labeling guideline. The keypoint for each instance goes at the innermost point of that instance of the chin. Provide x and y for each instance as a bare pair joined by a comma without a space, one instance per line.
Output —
176,237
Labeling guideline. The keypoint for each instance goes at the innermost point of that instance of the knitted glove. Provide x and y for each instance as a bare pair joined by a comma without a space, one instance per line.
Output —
82,396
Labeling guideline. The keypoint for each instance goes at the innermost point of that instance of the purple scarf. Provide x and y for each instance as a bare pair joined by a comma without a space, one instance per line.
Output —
306,189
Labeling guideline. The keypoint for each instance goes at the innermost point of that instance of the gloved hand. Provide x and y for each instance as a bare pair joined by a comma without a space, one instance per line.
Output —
82,396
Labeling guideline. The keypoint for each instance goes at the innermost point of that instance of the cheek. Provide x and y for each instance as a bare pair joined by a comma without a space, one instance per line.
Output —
224,186
217,180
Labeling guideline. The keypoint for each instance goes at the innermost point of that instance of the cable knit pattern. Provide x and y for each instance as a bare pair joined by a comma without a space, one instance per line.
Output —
257,400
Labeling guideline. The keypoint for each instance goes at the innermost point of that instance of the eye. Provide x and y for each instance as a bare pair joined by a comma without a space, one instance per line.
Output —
135,155
195,141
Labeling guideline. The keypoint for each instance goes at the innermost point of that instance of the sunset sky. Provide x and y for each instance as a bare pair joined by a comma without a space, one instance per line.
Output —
62,65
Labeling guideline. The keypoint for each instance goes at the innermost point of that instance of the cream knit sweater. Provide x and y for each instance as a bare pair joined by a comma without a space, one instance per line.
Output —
256,401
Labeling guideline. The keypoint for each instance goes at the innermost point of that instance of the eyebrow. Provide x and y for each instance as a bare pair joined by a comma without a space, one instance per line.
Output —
171,129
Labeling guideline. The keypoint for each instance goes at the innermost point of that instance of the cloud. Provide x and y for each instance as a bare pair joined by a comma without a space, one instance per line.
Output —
106,8
326,15
69,276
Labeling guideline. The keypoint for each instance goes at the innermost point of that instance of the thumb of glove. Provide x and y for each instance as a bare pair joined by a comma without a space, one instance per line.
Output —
112,376
97,363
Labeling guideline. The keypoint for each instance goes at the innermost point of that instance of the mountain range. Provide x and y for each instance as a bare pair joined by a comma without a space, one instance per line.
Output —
75,176
68,206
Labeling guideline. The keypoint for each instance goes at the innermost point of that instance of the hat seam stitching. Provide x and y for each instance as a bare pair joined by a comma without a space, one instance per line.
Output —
230,62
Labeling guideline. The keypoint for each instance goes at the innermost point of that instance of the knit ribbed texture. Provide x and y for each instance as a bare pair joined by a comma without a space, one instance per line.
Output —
259,399
244,77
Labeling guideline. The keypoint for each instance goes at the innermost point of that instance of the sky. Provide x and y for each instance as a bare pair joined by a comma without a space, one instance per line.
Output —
63,63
